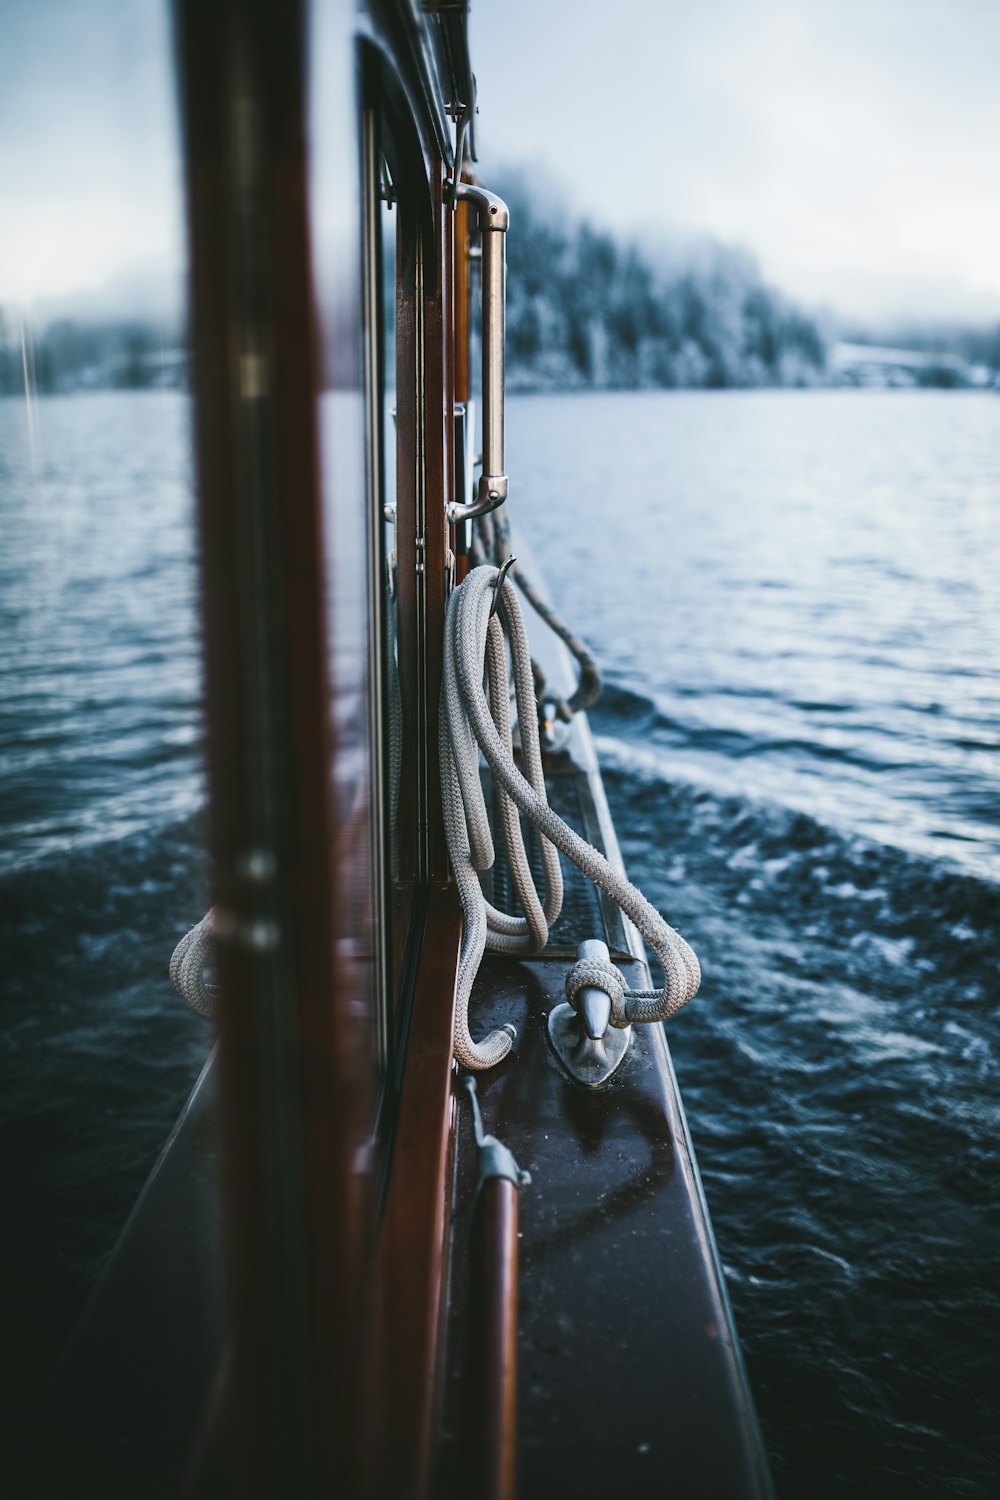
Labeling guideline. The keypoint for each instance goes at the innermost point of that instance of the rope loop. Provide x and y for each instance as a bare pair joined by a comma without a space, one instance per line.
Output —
594,972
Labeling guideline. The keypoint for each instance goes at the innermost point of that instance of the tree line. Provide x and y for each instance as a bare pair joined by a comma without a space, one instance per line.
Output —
586,309
70,355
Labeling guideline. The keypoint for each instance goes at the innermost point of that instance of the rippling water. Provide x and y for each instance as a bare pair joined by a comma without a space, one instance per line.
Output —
794,597
101,864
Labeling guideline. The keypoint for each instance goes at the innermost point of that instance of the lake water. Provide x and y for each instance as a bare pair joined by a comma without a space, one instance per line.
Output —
794,599
101,840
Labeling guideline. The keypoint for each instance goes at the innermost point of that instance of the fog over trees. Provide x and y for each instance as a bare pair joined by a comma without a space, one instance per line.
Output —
72,354
587,309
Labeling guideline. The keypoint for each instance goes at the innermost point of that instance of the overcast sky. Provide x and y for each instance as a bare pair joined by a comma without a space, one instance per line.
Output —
853,145
90,190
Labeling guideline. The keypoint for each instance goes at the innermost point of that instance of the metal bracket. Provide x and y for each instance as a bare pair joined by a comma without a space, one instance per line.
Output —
494,218
586,1044
495,1159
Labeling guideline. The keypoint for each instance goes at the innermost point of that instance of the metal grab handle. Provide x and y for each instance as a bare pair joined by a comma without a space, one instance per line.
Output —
494,219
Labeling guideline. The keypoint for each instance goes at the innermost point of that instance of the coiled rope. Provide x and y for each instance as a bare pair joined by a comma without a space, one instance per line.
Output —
479,611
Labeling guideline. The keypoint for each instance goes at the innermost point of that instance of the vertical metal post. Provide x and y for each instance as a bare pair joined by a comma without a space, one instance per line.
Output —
494,221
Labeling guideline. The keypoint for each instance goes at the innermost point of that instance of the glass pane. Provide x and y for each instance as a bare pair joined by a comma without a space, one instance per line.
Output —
102,865
337,204
393,875
400,876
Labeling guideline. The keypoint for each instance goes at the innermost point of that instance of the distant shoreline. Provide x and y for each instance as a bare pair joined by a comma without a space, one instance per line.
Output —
541,392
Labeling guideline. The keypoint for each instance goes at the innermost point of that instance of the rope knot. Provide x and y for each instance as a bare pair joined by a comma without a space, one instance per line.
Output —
603,976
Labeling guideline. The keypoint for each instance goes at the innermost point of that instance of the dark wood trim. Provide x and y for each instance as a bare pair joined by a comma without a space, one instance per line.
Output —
490,1374
412,1255
294,1046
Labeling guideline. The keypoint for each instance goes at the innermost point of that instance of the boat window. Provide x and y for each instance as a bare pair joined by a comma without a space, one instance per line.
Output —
102,833
367,270
393,340
388,621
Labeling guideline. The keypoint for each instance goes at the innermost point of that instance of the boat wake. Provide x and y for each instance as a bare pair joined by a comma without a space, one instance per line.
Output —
840,1072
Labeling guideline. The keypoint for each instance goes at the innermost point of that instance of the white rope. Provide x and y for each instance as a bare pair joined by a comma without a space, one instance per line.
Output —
188,964
470,722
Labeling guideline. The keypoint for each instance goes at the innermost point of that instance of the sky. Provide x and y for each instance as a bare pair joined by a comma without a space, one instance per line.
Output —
90,185
852,145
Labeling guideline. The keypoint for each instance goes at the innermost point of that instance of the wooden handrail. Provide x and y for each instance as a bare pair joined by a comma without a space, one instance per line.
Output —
411,1270
490,1433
